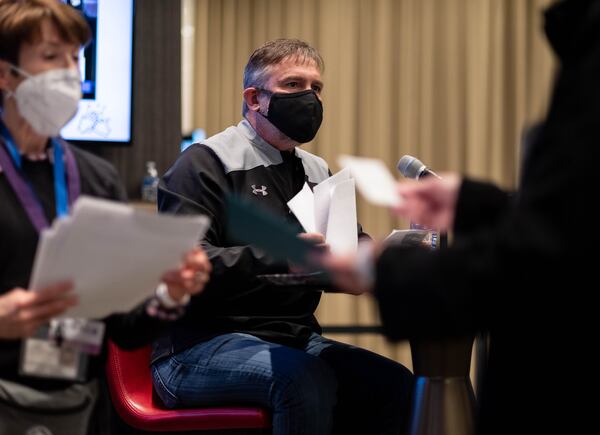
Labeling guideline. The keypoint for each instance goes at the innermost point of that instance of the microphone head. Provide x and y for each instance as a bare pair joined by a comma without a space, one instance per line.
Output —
411,167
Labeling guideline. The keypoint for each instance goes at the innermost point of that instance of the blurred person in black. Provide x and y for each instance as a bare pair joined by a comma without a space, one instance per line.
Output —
522,267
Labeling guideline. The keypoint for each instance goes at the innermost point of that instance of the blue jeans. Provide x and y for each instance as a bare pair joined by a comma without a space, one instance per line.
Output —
327,387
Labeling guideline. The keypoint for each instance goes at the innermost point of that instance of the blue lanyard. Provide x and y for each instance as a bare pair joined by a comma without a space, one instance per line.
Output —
60,180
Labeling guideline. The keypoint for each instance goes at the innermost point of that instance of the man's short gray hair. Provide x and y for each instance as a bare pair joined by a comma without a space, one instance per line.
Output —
272,53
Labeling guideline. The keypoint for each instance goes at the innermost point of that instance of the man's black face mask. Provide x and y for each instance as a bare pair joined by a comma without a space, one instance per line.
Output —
298,115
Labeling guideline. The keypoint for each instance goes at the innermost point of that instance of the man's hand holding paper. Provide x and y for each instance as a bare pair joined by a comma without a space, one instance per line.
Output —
330,210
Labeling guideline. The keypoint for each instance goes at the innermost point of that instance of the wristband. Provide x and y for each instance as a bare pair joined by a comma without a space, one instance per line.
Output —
162,294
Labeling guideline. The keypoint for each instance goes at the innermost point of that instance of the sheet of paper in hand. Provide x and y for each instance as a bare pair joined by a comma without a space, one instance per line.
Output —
114,254
373,180
330,210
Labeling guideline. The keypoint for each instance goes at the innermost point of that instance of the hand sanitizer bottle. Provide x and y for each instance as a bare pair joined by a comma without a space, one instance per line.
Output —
150,183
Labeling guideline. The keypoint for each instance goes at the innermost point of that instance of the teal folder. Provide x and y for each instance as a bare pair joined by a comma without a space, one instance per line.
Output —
252,225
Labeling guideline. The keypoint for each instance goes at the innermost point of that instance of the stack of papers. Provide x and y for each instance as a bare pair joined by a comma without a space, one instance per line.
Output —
330,210
114,254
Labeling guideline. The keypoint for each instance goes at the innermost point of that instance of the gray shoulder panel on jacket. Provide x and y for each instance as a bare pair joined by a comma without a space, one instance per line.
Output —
314,166
240,149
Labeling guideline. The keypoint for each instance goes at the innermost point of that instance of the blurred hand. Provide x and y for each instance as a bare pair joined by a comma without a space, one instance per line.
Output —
346,275
23,311
191,277
430,202
316,239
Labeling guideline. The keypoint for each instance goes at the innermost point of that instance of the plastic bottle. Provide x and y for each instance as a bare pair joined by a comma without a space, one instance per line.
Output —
150,183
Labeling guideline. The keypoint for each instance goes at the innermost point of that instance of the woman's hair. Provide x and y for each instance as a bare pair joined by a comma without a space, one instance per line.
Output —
21,21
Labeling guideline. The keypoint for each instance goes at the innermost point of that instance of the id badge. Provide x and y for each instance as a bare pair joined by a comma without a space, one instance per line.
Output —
81,334
45,358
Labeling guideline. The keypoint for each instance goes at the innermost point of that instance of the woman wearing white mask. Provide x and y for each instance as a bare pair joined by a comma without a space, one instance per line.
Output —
41,176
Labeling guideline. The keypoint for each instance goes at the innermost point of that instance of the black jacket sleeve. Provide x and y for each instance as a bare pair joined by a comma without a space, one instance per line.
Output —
471,285
135,328
196,184
479,205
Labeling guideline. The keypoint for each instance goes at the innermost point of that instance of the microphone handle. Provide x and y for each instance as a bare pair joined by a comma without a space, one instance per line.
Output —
442,236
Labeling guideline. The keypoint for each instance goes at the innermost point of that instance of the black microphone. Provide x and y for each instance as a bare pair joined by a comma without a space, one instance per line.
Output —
411,167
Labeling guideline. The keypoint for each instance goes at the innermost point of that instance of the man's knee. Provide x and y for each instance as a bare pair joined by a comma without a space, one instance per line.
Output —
395,383
311,384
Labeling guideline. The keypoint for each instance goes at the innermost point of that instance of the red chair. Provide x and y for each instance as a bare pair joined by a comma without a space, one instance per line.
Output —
130,384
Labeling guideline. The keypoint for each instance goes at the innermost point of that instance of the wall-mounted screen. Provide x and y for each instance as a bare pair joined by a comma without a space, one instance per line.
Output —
104,114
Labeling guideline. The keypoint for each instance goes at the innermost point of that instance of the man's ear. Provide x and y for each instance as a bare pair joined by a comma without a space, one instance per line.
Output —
251,99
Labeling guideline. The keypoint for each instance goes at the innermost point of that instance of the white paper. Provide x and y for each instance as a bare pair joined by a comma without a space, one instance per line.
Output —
342,230
114,254
373,180
323,192
330,209
303,207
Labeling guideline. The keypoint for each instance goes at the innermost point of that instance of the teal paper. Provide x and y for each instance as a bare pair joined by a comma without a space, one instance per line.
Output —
252,225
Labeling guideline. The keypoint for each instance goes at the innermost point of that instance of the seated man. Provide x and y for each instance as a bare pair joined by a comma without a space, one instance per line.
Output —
244,341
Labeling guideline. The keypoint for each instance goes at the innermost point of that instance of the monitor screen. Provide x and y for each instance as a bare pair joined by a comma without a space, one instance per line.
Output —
104,114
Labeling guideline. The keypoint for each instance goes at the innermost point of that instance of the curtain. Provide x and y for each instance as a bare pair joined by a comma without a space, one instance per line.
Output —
452,82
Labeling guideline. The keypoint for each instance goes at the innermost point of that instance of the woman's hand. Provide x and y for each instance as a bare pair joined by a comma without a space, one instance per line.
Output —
23,311
191,277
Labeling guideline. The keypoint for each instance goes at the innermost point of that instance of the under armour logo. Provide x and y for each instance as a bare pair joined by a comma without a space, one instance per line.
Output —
262,190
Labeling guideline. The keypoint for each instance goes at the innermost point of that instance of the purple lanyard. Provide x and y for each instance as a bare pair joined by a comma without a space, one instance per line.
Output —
24,190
